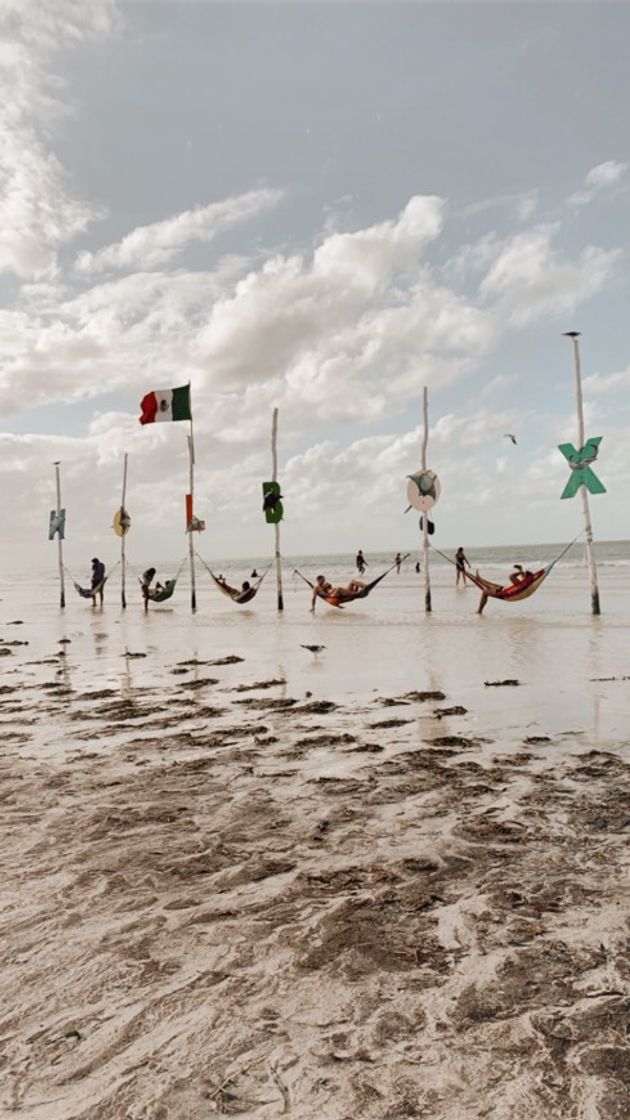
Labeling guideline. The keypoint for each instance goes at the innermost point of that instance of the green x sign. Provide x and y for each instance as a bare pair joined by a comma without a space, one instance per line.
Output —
581,473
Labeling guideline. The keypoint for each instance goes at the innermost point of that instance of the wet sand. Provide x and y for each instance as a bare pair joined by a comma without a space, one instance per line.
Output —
224,895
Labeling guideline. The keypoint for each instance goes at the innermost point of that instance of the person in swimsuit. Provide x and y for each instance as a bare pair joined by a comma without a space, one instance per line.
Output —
461,560
325,590
519,575
360,562
397,562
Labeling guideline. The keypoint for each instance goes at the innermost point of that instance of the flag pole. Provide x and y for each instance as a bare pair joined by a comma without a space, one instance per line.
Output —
123,599
274,478
191,546
425,517
595,606
62,586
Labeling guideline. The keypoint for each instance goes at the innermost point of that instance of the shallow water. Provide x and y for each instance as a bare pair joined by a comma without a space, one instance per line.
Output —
386,645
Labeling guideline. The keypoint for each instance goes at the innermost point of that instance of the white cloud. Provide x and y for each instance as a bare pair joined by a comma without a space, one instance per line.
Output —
150,246
484,427
127,333
496,384
529,278
523,204
607,383
604,175
37,214
355,328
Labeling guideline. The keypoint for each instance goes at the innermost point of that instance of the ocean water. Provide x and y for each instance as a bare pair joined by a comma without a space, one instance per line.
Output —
570,665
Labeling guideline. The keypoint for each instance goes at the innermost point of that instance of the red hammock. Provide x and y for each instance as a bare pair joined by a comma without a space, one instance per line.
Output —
511,592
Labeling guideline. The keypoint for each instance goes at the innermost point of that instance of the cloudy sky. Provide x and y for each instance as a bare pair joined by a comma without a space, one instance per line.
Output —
322,207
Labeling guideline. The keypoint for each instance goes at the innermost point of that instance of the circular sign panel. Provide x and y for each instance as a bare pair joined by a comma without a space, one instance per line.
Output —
423,490
122,522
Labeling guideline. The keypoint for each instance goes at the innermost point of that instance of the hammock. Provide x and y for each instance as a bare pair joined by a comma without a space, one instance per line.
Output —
233,593
164,593
513,592
350,596
90,592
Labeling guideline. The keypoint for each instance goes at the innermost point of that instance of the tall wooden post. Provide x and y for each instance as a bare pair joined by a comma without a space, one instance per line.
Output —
62,584
274,478
425,518
595,606
191,546
123,599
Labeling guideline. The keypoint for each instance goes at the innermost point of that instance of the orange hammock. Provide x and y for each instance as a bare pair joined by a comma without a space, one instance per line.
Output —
513,592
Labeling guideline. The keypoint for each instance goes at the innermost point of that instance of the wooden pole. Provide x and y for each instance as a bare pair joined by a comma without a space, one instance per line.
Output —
123,599
62,585
425,519
191,546
274,478
595,605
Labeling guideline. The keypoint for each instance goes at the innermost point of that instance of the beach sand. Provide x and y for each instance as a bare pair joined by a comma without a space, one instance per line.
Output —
235,887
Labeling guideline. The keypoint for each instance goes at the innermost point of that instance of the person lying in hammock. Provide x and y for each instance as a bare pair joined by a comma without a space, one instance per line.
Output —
245,586
325,590
519,575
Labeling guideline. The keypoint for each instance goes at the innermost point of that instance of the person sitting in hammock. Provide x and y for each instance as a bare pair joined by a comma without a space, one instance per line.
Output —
236,595
145,586
519,575
325,590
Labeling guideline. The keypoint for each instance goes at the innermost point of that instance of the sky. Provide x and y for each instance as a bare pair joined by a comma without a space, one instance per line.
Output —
320,208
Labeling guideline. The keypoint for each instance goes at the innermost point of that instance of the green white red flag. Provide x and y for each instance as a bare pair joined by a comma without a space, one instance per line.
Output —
165,405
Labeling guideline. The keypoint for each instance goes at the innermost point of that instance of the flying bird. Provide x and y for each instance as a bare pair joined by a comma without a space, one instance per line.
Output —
509,435
313,649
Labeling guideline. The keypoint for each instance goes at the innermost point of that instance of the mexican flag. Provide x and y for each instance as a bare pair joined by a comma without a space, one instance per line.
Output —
166,404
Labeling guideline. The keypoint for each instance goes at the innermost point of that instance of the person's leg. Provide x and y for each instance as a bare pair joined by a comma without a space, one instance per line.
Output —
482,602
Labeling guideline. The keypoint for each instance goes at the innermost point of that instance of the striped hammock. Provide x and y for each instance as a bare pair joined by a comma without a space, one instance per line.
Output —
237,595
523,588
511,592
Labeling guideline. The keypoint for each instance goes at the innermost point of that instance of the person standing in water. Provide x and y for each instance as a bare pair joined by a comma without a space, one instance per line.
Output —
98,579
461,560
360,562
397,562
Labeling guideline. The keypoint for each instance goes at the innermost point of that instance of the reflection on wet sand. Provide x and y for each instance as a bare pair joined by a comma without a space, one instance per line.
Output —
391,882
